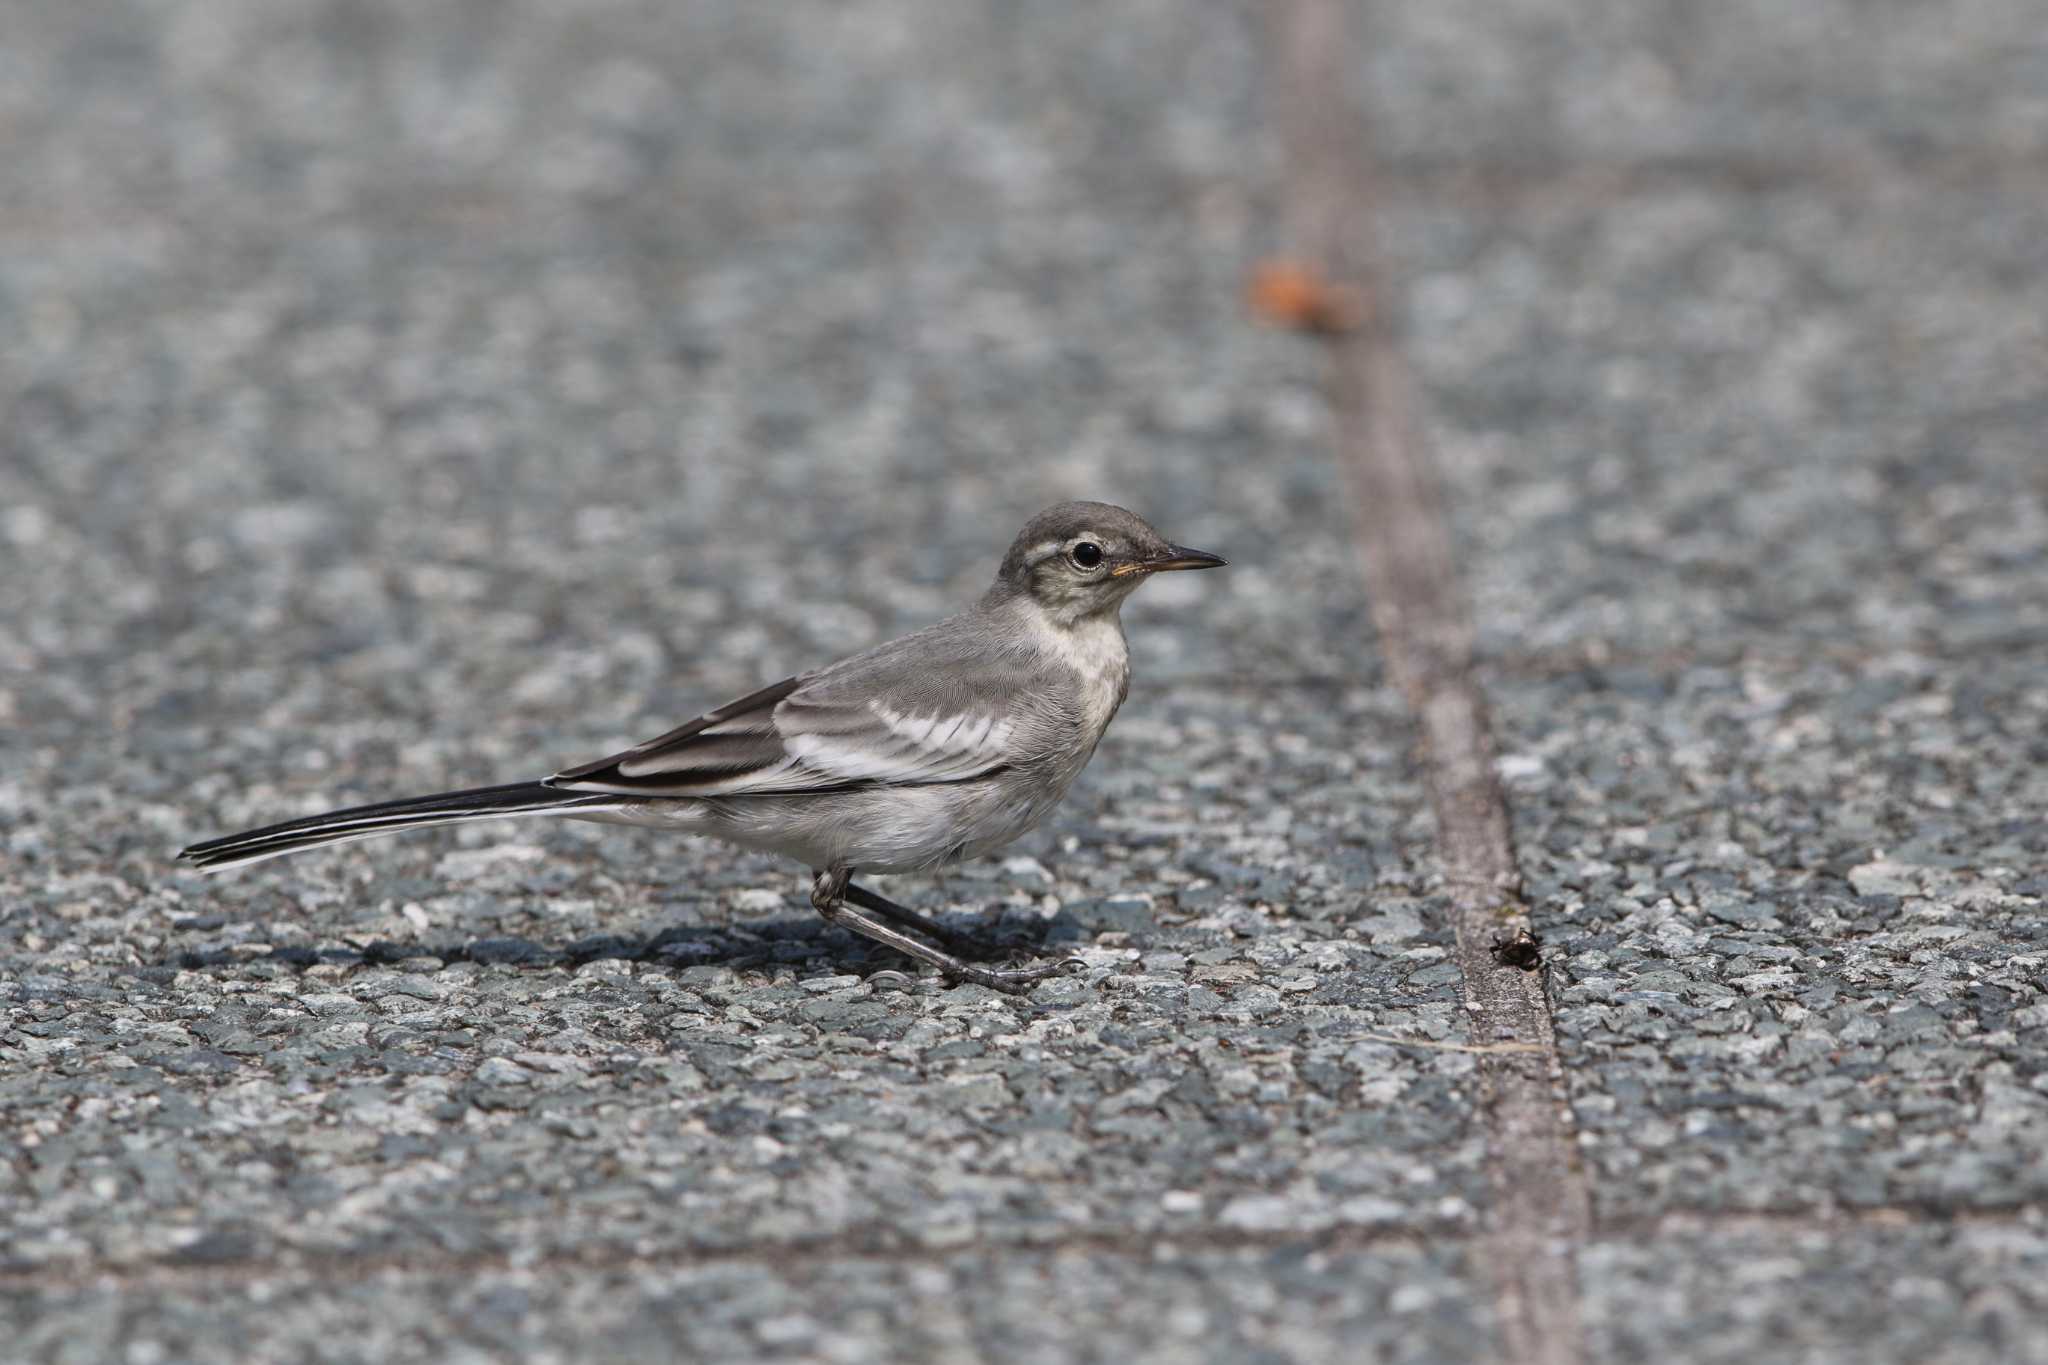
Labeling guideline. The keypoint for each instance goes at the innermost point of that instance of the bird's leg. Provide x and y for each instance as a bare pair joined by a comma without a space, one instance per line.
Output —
829,896
967,945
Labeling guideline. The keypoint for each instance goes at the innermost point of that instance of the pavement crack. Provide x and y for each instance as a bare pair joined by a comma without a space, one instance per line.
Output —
1541,1212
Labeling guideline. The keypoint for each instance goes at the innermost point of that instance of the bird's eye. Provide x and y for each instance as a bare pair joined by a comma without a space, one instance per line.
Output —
1087,554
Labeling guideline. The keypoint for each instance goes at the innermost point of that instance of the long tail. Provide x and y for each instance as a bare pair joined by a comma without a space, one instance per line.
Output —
386,817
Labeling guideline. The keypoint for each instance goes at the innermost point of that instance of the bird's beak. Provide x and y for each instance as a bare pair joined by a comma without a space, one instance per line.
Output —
1176,557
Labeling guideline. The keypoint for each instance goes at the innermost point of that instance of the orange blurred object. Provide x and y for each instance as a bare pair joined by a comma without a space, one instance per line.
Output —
1293,294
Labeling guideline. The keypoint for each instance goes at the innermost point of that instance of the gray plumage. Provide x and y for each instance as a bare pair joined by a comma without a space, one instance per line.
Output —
944,744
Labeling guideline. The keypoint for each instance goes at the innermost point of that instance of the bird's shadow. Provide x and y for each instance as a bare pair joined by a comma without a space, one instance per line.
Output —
754,944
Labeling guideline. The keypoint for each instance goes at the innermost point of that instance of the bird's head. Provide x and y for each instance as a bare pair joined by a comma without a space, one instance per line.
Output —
1081,559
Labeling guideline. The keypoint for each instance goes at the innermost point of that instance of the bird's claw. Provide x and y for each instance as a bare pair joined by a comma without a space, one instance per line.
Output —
1018,980
891,978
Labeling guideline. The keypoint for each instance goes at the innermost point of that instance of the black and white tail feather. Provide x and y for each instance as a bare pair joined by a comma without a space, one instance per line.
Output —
385,817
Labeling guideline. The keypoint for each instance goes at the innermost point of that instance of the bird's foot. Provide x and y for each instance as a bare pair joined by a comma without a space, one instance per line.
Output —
1012,980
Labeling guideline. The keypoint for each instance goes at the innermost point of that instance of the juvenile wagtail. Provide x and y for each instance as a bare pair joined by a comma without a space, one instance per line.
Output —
942,745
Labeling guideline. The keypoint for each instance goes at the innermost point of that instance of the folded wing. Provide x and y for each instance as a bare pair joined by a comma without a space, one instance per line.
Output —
805,735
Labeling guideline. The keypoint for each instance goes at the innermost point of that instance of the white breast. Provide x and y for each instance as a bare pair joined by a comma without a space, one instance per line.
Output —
1095,649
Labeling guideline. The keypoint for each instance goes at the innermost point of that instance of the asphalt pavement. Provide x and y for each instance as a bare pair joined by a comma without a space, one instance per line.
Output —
405,397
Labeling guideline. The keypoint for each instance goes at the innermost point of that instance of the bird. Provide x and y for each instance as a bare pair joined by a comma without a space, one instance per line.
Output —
945,744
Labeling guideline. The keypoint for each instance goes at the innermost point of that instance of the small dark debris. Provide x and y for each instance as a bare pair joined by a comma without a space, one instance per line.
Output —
1523,948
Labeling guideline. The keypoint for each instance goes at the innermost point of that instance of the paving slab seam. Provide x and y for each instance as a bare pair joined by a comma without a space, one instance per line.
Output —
1816,1219
1540,1212
341,1267
1430,177
1564,663
1852,169
335,1267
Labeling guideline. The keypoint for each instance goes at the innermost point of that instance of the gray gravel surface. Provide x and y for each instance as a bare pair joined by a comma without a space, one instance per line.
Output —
1749,460
399,398
422,404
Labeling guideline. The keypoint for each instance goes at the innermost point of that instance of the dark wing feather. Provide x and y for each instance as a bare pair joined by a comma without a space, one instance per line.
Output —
736,740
